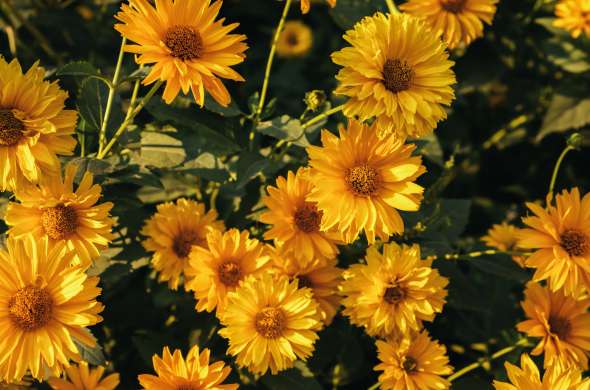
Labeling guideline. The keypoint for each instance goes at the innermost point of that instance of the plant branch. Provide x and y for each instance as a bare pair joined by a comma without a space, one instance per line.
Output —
392,8
323,115
565,151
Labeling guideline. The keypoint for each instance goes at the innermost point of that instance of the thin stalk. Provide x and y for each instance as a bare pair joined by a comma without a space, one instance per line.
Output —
556,171
392,8
323,115
102,136
488,252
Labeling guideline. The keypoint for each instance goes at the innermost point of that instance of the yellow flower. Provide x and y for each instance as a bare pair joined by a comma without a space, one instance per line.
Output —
270,323
34,127
393,292
396,70
295,40
295,222
360,181
53,210
14,386
216,271
172,233
562,323
176,373
561,235
322,276
459,21
504,237
80,377
305,5
413,363
45,305
558,376
189,49
574,16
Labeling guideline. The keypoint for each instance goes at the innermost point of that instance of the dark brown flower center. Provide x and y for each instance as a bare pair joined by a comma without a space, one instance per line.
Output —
30,308
292,39
394,294
410,364
59,221
270,322
308,218
397,75
454,6
304,281
184,242
11,128
575,242
229,273
363,180
560,326
184,42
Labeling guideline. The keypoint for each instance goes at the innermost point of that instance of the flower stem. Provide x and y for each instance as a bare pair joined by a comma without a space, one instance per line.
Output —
131,114
481,362
102,136
392,8
375,386
323,115
488,252
556,171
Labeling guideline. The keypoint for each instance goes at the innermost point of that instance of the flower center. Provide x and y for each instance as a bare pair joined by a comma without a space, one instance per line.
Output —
59,221
30,308
11,128
410,364
183,243
560,326
304,281
184,42
230,273
454,6
394,294
363,180
397,75
292,39
308,218
270,322
575,242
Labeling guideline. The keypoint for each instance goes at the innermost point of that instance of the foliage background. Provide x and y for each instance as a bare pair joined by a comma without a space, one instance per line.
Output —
521,89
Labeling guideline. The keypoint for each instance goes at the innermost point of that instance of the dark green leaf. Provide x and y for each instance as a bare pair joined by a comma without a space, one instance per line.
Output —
348,12
231,110
285,128
291,379
250,165
565,113
78,68
92,101
92,355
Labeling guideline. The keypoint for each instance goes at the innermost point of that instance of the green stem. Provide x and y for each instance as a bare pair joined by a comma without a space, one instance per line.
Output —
102,136
323,115
131,114
375,386
392,8
481,362
488,252
556,171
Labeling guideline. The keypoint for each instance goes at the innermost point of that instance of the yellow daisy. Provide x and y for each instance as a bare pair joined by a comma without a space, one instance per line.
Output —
189,49
504,237
80,377
34,127
176,373
306,4
393,292
459,21
574,16
270,323
173,232
398,71
562,323
55,211
413,363
216,271
45,306
295,40
561,236
295,222
322,276
558,376
360,181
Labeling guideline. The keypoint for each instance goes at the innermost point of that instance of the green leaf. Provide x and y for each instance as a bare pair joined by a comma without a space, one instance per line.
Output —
92,355
565,113
231,110
92,165
161,150
92,101
292,379
79,69
250,165
285,128
430,147
348,12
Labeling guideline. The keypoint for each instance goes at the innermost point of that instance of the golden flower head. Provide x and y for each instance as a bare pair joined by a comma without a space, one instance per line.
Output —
393,292
360,181
34,127
295,40
53,210
322,276
173,232
459,21
176,373
558,376
414,362
574,16
397,71
295,222
306,4
560,234
504,237
269,323
217,270
561,323
80,377
189,49
46,304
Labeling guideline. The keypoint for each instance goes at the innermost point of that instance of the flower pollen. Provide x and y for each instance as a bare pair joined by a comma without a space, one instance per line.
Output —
560,326
453,6
229,273
575,242
308,218
30,308
184,242
362,180
59,222
394,294
184,42
11,128
270,322
397,75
